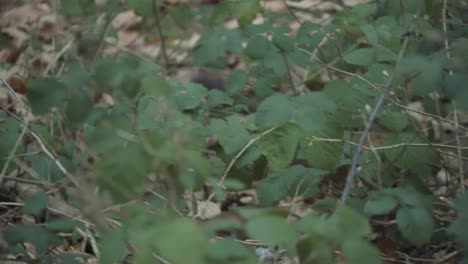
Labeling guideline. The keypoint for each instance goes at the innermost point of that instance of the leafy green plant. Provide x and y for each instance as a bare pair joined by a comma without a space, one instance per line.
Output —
143,149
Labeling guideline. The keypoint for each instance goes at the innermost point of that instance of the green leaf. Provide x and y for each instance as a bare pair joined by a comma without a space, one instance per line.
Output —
274,188
36,203
78,108
155,85
182,15
361,57
71,8
181,241
396,121
76,77
123,172
246,11
425,74
218,98
323,155
142,7
379,204
189,96
408,156
221,13
261,228
63,224
371,33
313,110
283,42
257,47
30,233
45,93
236,81
113,247
384,54
279,146
232,135
359,251
222,250
303,35
350,224
454,88
107,73
415,224
458,227
274,111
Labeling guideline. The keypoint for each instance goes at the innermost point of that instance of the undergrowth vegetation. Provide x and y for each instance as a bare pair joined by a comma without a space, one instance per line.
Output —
334,140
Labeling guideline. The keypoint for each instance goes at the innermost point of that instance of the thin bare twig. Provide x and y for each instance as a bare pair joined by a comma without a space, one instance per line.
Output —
161,35
352,171
459,149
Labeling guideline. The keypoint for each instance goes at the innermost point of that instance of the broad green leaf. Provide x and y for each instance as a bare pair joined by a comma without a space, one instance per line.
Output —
194,168
283,42
458,227
276,110
155,85
275,62
142,7
313,250
232,135
303,35
257,47
181,241
279,146
350,224
45,93
364,9
209,49
222,250
221,13
235,82
182,15
76,77
78,108
323,155
261,228
113,247
63,224
313,110
361,57
123,172
246,11
108,73
36,203
425,74
371,33
71,8
384,55
359,251
189,96
454,87
218,98
277,186
408,156
415,224
29,233
380,204
396,121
